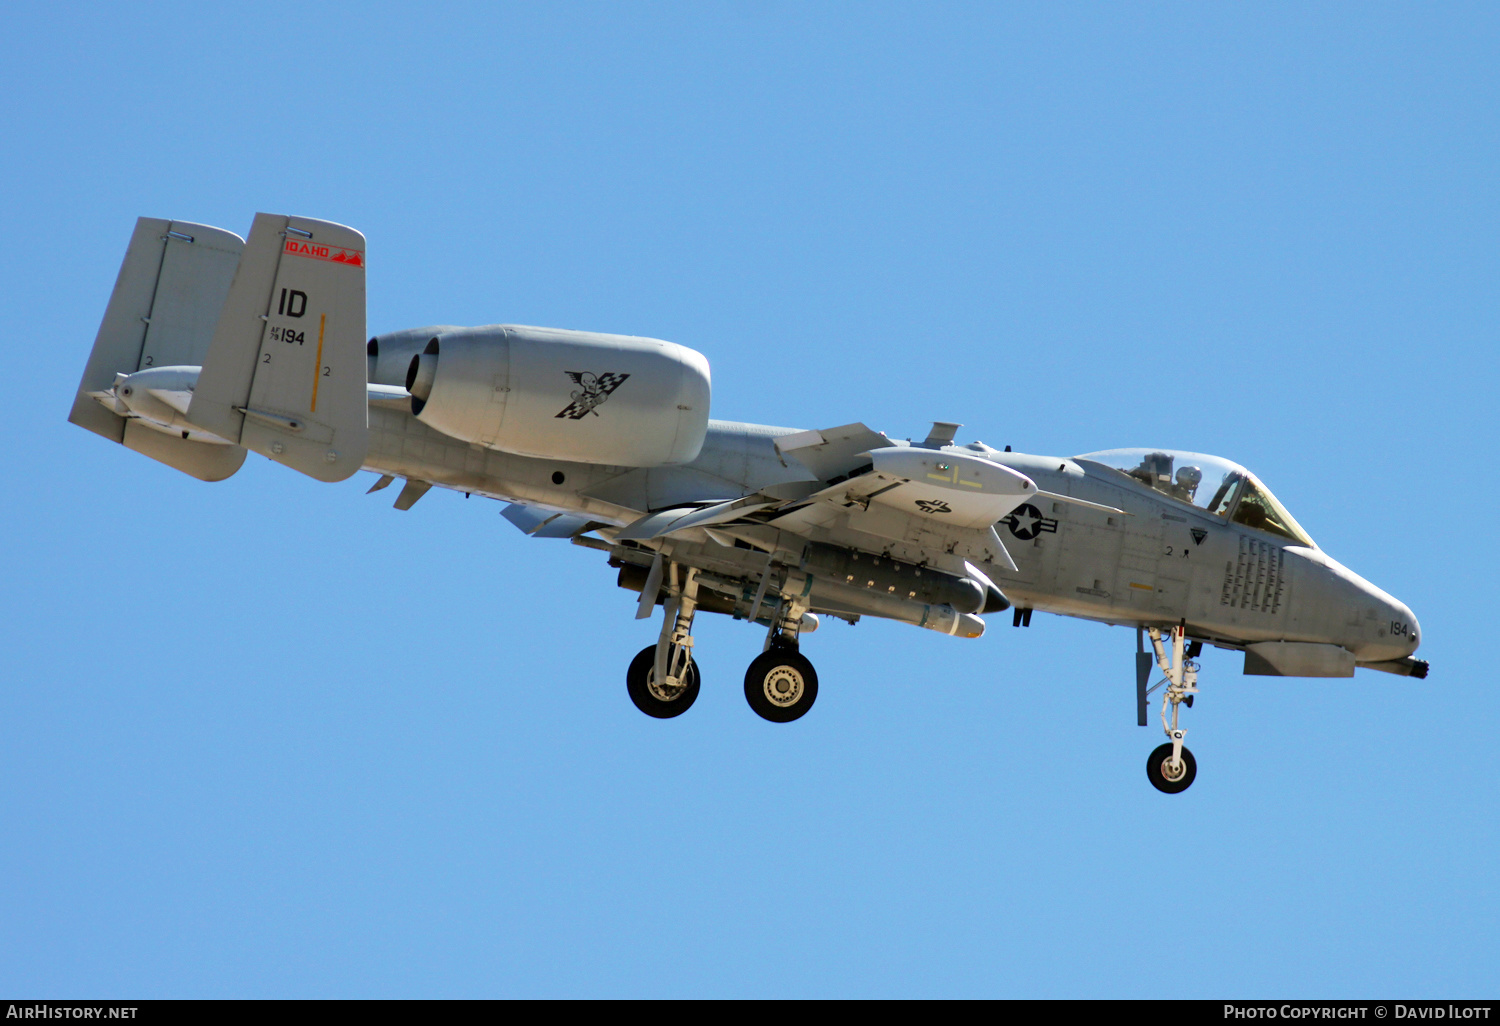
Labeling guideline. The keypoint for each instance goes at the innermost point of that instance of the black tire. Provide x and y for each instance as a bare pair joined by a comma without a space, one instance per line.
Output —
781,685
649,699
1156,770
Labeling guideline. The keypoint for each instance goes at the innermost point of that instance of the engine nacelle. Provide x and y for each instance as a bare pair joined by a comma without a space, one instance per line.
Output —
389,355
564,395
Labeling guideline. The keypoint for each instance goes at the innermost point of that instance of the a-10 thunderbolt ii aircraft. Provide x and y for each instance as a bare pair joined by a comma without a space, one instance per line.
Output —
213,346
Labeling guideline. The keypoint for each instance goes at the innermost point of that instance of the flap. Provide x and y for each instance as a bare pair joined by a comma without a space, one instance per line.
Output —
544,523
654,525
831,451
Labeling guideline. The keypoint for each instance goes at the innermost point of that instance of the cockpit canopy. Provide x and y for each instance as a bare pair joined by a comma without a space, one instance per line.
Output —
1222,488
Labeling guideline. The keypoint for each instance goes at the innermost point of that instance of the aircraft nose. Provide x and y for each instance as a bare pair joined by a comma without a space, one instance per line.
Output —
1414,635
1387,629
1402,625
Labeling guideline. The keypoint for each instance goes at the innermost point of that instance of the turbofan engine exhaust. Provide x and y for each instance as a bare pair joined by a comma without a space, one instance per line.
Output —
420,376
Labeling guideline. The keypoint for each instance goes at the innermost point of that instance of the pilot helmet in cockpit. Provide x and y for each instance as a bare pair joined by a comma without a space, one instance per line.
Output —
1188,480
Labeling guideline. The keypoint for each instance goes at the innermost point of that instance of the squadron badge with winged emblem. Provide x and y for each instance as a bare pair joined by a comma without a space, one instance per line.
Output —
592,390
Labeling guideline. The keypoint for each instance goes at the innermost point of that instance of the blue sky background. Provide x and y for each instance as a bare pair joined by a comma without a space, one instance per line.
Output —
272,738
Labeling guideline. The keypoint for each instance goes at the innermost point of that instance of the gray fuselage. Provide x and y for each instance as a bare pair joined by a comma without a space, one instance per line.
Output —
1163,562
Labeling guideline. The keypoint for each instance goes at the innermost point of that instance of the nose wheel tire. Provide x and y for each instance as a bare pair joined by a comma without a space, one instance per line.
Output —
781,685
659,700
1166,777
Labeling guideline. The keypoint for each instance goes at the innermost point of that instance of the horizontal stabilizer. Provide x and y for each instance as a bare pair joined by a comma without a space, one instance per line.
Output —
204,460
285,372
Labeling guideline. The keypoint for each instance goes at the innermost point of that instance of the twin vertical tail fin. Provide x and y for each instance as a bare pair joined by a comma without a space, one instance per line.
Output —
265,341
167,298
285,373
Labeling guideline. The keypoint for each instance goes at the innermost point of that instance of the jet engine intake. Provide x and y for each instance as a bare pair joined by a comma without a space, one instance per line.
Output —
616,400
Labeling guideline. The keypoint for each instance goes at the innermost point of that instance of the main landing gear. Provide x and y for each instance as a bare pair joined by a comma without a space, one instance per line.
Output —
662,700
780,685
1171,768
663,678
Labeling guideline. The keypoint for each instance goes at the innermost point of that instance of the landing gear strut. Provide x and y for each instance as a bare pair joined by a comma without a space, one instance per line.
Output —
663,678
1171,768
781,684
662,701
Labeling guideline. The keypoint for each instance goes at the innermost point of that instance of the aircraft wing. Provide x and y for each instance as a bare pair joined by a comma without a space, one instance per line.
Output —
664,522
538,522
905,493
929,497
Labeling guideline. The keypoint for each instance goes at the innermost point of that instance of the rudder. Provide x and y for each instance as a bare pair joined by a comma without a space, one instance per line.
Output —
285,373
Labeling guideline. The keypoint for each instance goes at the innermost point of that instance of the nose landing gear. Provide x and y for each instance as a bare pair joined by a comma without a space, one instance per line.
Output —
1168,773
1171,768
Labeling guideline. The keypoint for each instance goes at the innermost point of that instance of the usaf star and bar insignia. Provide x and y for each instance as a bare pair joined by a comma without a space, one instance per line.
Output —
1026,522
